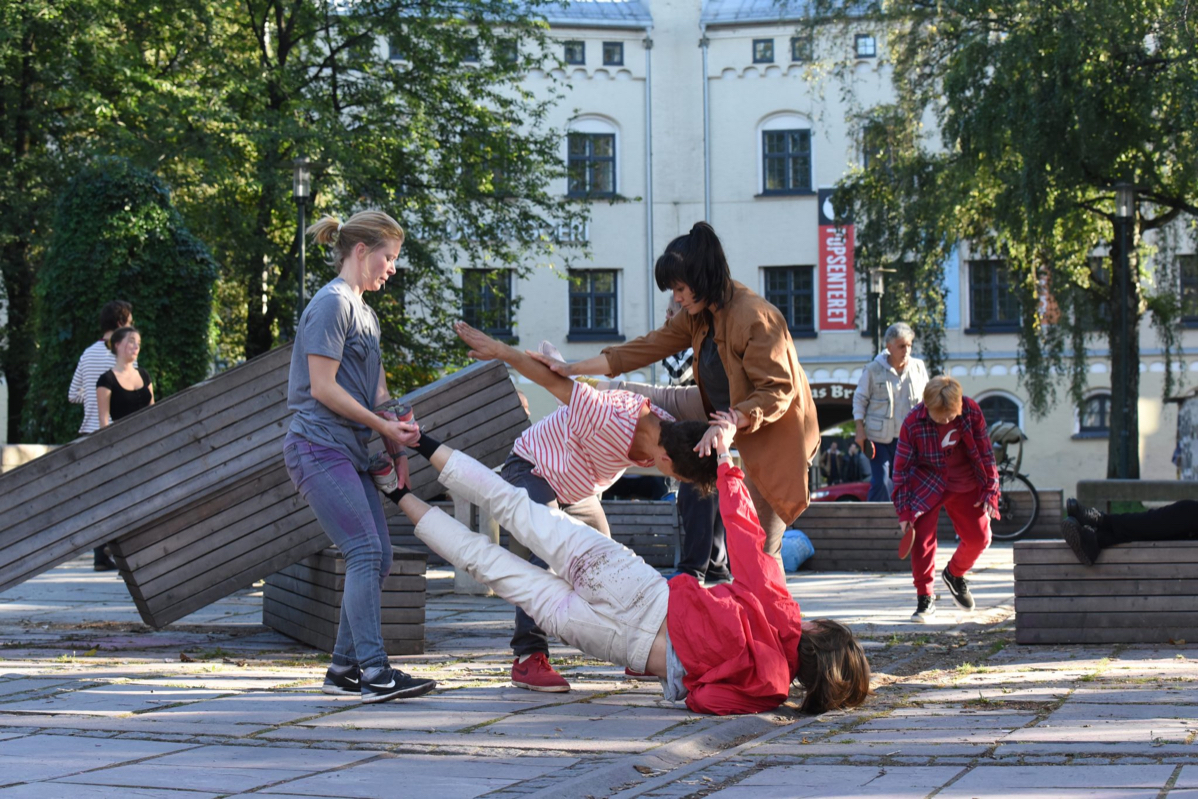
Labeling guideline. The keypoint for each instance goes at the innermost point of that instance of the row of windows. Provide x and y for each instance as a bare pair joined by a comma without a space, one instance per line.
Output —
802,49
1093,415
594,308
594,311
785,160
575,52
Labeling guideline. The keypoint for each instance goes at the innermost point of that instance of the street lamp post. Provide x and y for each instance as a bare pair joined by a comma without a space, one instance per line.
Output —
876,288
1125,212
301,189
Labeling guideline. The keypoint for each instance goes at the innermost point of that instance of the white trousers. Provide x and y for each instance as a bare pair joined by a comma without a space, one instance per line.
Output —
601,596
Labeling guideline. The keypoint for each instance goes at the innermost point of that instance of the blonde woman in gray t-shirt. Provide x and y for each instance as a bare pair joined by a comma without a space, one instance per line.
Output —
336,379
890,386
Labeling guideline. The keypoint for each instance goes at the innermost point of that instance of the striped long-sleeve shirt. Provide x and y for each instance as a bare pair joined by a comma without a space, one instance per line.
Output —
582,448
95,361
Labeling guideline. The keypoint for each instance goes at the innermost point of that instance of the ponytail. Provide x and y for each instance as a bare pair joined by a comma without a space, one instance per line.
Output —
696,260
373,228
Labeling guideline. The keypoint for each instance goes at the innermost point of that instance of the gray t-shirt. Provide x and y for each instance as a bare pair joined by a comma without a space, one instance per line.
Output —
339,325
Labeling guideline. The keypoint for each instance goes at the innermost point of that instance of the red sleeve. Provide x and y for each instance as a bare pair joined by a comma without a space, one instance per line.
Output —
746,540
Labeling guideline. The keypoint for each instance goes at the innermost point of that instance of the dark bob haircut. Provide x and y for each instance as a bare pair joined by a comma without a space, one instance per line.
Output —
696,260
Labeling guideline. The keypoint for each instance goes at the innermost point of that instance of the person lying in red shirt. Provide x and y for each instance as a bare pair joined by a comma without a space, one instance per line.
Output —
734,648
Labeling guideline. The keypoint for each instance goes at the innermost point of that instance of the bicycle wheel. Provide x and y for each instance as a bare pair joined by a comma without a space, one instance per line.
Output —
1018,504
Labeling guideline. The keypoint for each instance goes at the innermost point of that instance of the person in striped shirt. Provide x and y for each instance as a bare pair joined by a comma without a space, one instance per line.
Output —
95,361
570,457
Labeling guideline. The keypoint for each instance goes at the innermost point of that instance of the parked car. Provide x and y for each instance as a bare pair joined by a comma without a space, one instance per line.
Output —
842,492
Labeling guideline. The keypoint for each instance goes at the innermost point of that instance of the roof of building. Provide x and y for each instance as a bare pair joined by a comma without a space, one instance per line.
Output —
599,13
728,12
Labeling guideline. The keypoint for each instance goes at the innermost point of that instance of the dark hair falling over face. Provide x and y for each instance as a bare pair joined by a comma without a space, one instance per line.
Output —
832,667
696,261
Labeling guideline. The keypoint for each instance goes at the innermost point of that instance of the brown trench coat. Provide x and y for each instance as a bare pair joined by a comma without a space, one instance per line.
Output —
765,382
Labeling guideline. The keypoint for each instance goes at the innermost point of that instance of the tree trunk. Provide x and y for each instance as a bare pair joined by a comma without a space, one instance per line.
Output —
1125,359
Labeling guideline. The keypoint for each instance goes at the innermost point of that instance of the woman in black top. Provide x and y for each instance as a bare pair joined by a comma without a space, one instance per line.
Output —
124,388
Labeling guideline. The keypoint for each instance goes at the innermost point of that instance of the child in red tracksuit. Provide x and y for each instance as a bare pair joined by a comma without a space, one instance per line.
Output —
944,460
735,648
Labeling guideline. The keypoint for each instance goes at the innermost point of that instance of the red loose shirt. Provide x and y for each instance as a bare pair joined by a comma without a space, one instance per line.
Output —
921,467
739,642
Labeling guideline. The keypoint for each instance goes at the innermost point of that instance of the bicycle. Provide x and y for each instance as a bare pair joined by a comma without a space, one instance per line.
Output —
1018,501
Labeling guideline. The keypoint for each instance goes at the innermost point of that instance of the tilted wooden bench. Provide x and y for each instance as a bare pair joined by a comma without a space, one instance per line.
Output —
303,601
852,536
254,522
1145,592
143,468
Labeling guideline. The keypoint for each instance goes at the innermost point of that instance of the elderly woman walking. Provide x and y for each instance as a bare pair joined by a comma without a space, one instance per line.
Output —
890,386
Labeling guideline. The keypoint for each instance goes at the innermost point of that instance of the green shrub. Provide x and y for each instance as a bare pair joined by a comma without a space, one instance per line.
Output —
116,236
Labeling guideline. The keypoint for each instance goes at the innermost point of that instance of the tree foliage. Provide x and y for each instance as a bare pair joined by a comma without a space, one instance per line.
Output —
417,107
117,236
1010,125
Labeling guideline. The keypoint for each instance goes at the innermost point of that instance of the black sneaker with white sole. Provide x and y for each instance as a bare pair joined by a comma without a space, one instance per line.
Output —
395,684
925,610
1090,517
348,683
959,588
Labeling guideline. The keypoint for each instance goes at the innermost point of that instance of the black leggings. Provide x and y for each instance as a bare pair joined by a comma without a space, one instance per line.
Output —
1176,522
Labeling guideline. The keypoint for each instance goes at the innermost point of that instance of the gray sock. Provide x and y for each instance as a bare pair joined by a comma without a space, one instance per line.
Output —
342,669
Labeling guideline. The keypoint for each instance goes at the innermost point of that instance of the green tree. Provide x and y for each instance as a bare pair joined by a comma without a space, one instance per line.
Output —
1041,109
117,236
417,107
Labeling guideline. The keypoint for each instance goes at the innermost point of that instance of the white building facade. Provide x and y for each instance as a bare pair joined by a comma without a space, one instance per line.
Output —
684,110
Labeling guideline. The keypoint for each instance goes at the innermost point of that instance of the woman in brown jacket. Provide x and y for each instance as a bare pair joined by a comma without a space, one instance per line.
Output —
744,362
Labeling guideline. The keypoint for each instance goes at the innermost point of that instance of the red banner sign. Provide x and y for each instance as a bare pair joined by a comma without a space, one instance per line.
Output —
837,304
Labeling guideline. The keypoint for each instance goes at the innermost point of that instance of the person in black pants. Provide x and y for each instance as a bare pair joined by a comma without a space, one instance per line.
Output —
1088,531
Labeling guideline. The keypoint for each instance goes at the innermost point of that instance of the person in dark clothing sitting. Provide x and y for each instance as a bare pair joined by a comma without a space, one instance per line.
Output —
1088,531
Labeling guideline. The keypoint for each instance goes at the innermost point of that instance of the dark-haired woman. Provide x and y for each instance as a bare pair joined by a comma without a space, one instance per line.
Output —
745,362
124,388
336,379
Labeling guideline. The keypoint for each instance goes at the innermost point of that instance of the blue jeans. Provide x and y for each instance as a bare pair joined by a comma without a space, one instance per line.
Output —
347,505
881,467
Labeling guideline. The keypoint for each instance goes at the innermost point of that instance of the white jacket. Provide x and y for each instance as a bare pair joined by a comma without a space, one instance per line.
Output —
885,396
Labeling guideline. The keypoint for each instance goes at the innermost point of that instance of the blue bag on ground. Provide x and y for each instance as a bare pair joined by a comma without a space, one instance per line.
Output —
796,548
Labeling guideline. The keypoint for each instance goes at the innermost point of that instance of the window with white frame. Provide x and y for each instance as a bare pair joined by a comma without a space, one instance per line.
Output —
763,51
998,407
593,303
785,156
591,167
865,45
1094,416
487,300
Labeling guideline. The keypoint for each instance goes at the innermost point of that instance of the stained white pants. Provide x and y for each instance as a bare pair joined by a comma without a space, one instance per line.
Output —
601,596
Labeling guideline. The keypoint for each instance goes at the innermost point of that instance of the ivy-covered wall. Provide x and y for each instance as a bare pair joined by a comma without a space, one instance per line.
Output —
116,235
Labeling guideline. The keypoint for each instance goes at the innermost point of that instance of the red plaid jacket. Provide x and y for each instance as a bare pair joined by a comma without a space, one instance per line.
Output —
919,480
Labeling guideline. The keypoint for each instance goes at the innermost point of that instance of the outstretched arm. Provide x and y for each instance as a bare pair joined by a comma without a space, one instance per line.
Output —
484,348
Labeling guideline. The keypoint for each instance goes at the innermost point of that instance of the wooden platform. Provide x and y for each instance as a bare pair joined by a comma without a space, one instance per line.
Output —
1145,592
142,469
303,601
852,536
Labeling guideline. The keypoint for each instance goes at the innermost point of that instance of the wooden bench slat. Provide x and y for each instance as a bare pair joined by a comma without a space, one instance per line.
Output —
1131,635
1106,587
1107,604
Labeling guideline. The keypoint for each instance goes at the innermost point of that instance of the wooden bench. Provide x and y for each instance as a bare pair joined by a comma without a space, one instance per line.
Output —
852,536
143,468
1101,493
1146,592
254,522
303,601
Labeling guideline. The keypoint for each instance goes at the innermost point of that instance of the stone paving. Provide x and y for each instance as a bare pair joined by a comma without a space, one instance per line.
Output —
93,704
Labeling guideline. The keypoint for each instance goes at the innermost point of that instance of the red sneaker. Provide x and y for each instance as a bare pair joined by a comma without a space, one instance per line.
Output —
637,675
536,674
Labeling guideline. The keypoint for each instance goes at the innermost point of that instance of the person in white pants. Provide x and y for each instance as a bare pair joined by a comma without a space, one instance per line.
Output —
735,648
